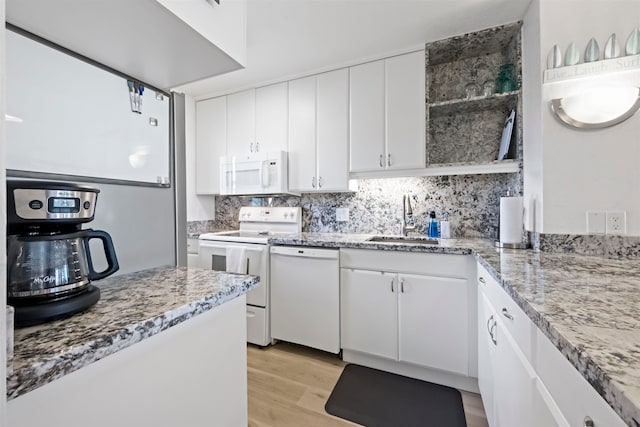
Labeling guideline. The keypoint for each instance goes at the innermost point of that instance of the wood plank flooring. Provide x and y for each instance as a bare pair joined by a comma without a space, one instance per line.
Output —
289,385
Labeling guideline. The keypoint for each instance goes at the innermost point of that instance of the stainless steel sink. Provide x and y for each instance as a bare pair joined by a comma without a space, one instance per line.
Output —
407,240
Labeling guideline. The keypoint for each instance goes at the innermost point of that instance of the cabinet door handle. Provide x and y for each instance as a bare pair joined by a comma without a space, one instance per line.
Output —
491,329
392,280
248,265
481,280
381,160
320,182
313,182
402,285
251,147
257,146
388,159
588,422
506,313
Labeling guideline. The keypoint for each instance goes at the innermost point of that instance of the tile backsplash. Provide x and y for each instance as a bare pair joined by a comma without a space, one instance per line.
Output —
471,202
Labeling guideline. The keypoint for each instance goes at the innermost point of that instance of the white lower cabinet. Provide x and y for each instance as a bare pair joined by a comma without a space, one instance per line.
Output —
433,326
512,393
368,312
414,318
524,380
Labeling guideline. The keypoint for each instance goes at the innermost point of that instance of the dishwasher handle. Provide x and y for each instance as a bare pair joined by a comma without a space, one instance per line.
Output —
305,252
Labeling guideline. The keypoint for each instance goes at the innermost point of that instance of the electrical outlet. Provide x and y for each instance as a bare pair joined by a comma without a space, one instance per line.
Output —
342,214
596,222
617,222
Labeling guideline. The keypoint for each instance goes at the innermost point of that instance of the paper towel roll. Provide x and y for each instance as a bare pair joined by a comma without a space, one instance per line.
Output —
511,219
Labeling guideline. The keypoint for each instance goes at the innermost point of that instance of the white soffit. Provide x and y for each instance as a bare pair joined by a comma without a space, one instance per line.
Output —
293,37
140,38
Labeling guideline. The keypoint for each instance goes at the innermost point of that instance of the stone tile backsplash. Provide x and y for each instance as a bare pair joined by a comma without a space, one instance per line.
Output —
471,202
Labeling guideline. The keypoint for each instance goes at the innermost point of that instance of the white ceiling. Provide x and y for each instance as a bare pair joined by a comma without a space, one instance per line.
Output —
290,38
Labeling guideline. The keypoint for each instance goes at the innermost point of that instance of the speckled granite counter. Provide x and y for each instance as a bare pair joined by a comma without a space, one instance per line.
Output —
132,307
589,307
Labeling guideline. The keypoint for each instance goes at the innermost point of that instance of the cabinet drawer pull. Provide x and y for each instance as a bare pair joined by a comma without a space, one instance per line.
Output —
388,159
506,314
381,161
481,280
588,422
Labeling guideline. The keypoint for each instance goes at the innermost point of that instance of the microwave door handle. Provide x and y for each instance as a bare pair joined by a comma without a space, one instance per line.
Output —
264,174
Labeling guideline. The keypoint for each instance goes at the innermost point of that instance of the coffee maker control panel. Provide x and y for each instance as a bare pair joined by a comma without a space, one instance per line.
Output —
40,203
54,204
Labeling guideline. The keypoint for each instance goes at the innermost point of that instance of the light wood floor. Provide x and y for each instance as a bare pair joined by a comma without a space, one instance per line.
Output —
289,385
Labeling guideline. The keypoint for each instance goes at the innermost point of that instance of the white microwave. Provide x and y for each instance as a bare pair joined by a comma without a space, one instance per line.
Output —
254,174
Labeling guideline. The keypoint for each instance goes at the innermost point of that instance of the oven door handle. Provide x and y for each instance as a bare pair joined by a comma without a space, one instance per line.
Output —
204,245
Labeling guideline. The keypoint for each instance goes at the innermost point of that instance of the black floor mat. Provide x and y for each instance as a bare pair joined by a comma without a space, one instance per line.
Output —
380,399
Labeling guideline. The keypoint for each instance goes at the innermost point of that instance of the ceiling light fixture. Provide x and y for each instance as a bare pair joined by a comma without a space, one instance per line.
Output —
597,108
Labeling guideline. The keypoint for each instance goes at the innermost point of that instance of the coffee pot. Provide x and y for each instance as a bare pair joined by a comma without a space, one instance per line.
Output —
54,265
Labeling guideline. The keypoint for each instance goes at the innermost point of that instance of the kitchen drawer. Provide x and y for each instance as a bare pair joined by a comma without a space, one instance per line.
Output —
407,262
513,318
192,246
575,397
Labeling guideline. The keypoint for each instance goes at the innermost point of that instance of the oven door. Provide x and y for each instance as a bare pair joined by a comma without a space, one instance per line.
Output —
213,255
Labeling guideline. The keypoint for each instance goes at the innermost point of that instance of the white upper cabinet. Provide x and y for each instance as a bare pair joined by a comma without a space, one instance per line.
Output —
366,93
211,143
406,118
318,132
333,131
257,120
271,118
302,133
241,115
387,114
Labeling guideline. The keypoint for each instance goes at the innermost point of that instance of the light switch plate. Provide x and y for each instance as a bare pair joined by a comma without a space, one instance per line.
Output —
596,222
342,214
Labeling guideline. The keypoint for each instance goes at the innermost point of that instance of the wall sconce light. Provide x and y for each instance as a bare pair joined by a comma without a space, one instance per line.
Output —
598,107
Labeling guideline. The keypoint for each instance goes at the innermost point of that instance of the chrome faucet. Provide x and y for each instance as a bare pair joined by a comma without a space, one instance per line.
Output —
407,213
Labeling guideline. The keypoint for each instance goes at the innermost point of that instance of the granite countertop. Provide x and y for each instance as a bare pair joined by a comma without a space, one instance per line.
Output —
589,307
132,307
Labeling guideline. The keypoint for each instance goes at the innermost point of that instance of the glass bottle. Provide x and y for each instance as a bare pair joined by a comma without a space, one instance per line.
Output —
506,79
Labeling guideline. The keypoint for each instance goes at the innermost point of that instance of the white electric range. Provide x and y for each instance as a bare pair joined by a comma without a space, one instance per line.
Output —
257,224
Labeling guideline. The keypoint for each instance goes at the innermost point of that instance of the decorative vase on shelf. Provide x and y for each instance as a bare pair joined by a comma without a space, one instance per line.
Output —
612,48
572,55
592,52
554,58
506,81
632,46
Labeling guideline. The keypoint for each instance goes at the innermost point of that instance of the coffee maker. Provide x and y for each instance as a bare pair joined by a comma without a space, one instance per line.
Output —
49,262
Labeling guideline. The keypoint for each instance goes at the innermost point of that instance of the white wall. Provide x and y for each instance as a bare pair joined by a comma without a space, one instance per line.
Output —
532,113
582,171
199,208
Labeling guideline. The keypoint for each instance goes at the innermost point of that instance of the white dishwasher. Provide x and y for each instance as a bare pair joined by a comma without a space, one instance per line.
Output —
305,296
